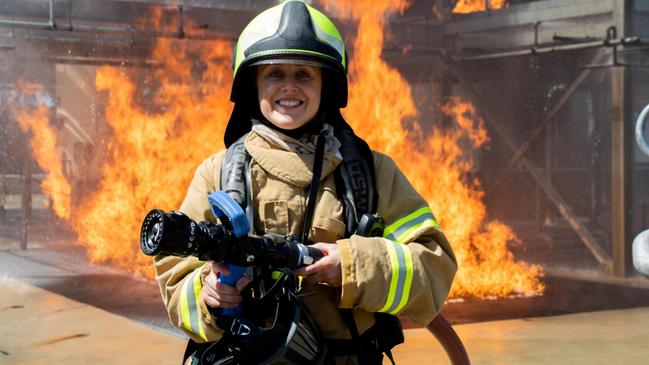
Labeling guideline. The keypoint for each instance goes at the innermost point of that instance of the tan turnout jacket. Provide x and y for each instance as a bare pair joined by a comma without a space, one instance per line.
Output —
406,273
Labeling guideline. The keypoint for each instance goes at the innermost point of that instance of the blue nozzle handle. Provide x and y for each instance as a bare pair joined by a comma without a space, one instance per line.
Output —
229,212
236,272
224,207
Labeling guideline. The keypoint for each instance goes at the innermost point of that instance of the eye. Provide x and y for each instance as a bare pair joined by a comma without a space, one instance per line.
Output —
275,74
303,75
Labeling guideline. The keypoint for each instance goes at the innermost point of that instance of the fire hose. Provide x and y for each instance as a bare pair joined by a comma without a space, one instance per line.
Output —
176,234
450,341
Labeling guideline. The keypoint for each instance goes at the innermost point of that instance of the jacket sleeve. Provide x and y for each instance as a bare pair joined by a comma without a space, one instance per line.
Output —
409,271
181,279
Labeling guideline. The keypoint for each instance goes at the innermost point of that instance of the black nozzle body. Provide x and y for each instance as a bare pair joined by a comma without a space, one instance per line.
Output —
176,234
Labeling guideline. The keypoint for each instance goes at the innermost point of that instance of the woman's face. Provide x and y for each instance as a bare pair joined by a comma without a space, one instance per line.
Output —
289,95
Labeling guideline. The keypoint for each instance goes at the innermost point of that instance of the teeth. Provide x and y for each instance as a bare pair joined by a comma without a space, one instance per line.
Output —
289,103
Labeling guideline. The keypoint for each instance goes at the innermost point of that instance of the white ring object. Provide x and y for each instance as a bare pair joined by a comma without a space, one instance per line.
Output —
639,131
640,252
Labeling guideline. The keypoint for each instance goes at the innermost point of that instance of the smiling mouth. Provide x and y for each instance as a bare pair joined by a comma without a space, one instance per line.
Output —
289,104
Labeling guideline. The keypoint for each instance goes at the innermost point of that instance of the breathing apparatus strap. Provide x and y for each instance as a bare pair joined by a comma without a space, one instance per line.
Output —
313,190
355,181
233,176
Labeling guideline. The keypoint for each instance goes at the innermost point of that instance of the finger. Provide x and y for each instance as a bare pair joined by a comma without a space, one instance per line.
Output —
211,302
227,300
210,280
226,289
322,246
319,265
216,303
308,270
241,283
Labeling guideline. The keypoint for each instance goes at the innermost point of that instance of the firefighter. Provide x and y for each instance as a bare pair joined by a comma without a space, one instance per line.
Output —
303,172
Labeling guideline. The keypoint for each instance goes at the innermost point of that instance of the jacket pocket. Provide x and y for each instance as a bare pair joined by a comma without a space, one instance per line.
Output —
275,217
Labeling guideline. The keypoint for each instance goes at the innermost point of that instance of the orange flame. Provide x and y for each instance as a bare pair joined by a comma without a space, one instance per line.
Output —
43,143
436,164
473,6
152,155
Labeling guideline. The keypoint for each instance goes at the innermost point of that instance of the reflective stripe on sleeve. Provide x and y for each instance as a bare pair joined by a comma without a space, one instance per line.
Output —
189,308
405,228
401,278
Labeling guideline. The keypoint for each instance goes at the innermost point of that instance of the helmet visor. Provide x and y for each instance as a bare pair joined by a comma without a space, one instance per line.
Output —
291,61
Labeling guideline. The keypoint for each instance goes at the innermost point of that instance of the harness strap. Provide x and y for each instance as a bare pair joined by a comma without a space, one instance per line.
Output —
313,190
232,171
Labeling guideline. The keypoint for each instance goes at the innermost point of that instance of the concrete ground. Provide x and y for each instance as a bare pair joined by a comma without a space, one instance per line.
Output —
40,327
606,338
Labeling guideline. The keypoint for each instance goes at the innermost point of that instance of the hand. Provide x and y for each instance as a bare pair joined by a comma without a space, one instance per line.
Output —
219,295
327,270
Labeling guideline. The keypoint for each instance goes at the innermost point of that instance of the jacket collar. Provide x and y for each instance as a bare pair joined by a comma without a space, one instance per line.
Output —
290,167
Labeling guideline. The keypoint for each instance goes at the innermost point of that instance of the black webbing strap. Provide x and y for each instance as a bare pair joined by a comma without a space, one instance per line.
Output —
367,348
313,190
348,318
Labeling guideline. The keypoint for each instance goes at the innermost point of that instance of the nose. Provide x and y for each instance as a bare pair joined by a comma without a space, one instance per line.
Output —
290,84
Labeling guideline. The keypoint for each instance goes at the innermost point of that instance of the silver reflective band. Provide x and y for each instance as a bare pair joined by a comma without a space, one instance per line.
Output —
304,258
290,61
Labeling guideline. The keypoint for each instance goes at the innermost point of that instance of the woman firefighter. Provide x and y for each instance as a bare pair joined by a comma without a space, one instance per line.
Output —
296,166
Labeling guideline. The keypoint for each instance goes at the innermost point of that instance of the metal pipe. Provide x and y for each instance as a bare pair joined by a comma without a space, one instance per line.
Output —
550,49
50,23
114,30
639,131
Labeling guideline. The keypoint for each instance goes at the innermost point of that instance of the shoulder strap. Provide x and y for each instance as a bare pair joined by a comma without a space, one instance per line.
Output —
355,181
233,171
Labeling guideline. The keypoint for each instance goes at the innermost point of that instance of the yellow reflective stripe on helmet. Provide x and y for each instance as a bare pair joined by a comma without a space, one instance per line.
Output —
189,308
326,31
403,229
401,278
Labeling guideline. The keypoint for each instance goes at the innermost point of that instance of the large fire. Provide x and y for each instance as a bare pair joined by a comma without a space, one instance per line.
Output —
380,101
473,6
155,148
